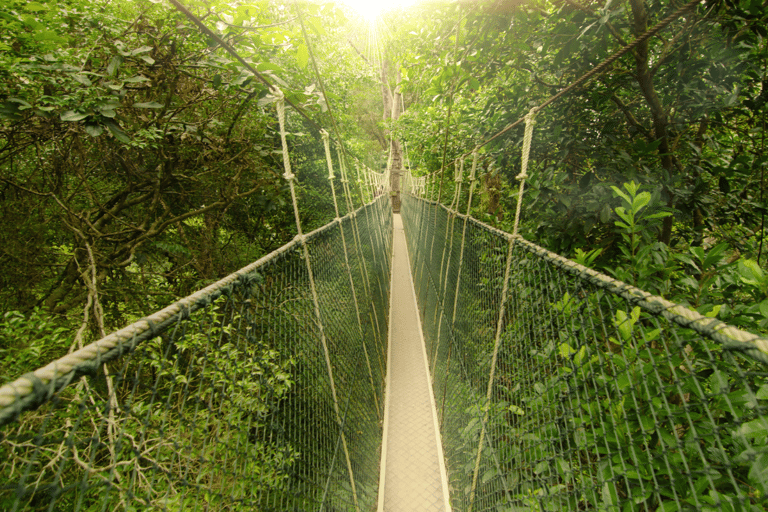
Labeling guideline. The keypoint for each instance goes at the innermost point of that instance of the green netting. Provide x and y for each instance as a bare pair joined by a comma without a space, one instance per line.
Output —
226,402
599,400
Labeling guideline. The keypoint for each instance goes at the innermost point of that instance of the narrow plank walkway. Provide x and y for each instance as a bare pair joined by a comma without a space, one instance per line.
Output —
413,476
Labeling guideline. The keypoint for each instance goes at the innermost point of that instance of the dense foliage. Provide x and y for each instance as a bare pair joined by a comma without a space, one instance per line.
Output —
138,159
683,117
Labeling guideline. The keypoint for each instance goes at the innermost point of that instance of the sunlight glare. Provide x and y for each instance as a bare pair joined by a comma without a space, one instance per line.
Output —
371,9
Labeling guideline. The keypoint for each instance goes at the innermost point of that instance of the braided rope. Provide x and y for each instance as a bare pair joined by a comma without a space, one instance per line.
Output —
529,122
730,337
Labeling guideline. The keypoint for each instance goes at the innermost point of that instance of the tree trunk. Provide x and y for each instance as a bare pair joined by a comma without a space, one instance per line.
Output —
392,112
659,117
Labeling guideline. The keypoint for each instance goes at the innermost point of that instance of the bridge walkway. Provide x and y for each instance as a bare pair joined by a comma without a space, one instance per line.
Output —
413,475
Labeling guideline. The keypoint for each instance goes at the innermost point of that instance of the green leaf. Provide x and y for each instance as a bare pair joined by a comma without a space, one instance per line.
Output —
758,473
216,81
148,104
35,7
302,55
762,393
618,192
610,496
82,79
715,255
143,49
641,200
715,311
750,272
317,26
72,116
135,79
49,35
94,130
754,429
114,65
268,66
117,131
718,382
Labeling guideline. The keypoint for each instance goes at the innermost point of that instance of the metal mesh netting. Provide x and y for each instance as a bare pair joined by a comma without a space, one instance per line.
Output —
228,403
598,401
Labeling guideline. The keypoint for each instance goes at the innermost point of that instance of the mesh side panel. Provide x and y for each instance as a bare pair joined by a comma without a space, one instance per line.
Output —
230,407
596,403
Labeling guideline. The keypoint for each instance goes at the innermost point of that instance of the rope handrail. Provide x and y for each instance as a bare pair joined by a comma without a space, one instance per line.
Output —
29,390
752,344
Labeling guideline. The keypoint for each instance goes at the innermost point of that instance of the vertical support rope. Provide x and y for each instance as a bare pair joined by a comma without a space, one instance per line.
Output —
472,182
489,393
290,177
329,160
529,122
442,285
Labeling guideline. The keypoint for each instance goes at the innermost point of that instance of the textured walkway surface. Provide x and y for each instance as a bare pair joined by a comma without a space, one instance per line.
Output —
412,470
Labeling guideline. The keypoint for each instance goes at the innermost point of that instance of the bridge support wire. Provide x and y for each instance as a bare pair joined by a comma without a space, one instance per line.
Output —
326,144
289,176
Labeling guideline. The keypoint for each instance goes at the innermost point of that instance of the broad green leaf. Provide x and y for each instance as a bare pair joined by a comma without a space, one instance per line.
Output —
762,393
750,272
610,497
758,473
49,35
566,350
72,116
148,104
268,66
754,429
94,130
317,25
80,78
641,201
715,255
135,79
117,132
302,56
718,382
143,49
621,194
715,311
114,65
35,7
23,105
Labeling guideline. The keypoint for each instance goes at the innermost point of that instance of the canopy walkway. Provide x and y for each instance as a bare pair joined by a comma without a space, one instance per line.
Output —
552,388
421,361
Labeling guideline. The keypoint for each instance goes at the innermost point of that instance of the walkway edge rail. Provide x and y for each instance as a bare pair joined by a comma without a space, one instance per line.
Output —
33,389
732,338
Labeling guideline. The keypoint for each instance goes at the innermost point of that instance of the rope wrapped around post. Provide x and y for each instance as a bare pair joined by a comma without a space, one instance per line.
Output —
529,122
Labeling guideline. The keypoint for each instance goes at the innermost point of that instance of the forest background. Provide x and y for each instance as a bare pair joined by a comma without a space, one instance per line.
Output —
140,162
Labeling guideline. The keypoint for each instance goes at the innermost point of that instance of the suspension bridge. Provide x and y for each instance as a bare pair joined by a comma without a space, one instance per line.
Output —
420,360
